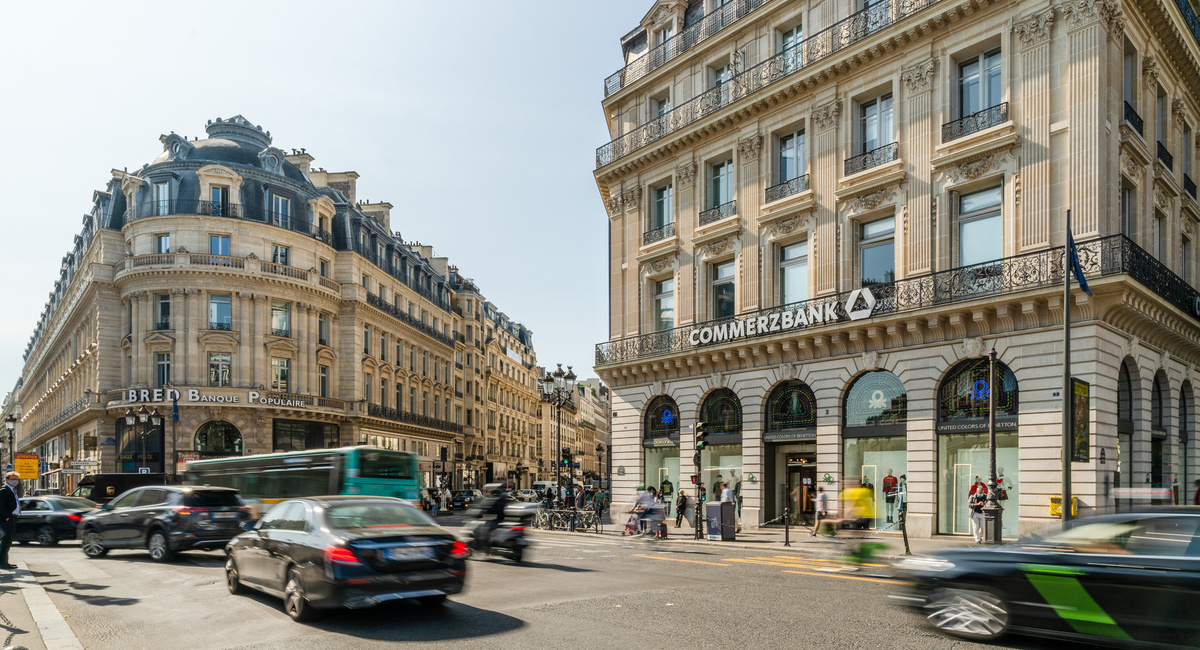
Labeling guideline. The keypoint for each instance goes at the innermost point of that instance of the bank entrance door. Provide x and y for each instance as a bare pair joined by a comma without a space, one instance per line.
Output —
801,488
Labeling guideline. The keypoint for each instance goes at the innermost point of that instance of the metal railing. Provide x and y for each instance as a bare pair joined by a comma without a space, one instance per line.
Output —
873,158
708,26
658,234
718,213
58,418
569,520
216,325
974,122
1135,120
1107,256
1165,156
824,43
403,276
290,221
396,415
162,325
285,332
1189,185
401,315
787,188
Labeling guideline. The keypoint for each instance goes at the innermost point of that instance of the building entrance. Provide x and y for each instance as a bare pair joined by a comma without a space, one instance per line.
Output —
801,488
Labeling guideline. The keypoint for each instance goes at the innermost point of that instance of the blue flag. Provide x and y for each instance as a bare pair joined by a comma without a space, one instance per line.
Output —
175,406
1076,268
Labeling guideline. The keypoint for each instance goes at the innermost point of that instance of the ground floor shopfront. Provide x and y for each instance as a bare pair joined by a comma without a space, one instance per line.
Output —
910,424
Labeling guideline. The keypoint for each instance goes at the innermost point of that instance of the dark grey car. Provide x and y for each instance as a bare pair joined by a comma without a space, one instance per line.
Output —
164,520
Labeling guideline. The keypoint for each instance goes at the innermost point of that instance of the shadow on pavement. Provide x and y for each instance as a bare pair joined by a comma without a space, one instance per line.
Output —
554,567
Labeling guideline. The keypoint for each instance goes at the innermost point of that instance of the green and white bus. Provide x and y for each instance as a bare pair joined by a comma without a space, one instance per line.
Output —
266,479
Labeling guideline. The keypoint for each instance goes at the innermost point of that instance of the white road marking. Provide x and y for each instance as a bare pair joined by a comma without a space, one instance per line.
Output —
55,631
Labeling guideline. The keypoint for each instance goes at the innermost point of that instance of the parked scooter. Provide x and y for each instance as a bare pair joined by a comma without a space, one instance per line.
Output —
508,539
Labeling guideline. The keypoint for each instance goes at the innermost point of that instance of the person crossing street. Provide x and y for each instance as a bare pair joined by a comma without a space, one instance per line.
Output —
10,507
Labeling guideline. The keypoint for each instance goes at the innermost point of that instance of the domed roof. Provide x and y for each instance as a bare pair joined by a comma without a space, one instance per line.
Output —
233,141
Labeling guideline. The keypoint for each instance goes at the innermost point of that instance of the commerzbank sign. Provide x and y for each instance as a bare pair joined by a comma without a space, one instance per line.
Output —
859,304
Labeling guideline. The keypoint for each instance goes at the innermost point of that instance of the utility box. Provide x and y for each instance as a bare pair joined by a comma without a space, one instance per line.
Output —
720,522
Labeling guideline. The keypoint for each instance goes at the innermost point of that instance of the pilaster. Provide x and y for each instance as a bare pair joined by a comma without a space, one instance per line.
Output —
916,226
1033,111
824,247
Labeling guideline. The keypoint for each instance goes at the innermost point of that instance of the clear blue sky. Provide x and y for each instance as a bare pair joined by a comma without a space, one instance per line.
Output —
477,120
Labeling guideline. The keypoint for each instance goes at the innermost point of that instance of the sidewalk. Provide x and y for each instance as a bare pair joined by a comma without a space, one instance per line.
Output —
28,619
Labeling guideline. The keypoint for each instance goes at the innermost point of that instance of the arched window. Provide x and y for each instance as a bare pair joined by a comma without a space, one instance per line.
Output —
1157,406
877,398
1185,437
965,392
1124,471
1159,449
220,437
722,410
1124,398
662,418
791,406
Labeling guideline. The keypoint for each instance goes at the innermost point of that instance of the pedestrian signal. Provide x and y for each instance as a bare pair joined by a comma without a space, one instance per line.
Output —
695,479
701,429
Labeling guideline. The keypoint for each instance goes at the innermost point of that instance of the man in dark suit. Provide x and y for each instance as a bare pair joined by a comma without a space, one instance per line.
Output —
10,507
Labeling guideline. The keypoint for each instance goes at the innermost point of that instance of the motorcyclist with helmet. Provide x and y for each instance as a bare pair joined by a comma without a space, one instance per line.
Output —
492,505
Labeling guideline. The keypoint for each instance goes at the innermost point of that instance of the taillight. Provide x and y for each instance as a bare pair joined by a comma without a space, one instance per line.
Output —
74,517
341,555
186,511
520,528
459,550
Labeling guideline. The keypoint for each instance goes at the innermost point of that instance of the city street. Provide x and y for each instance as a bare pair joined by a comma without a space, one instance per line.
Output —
593,591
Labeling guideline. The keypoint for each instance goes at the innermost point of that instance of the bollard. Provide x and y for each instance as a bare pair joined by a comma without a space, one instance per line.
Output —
904,531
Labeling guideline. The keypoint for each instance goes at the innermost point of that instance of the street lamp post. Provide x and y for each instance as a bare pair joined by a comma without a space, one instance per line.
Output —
559,390
600,462
10,425
993,512
148,419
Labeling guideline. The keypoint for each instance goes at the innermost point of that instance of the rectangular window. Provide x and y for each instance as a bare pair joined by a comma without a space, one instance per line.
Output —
980,236
1185,260
324,267
1127,209
162,198
282,208
218,244
366,282
789,47
1130,74
723,289
366,339
219,201
1160,235
367,395
279,254
162,244
162,311
220,311
412,400
280,374
219,369
323,328
323,381
383,393
425,364
720,184
399,353
662,105
791,156
162,365
664,304
382,346
1185,155
412,359
877,252
663,211
876,123
281,321
399,397
979,83
793,273
425,403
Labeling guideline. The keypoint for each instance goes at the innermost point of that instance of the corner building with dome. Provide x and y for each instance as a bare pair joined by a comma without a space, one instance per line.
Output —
824,215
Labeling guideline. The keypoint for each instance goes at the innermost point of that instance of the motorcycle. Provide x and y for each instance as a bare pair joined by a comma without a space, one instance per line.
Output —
508,539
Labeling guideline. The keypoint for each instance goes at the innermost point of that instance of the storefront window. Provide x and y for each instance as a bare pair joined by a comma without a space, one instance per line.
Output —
722,411
662,418
721,464
662,464
791,406
875,445
141,446
1124,475
961,458
220,437
876,398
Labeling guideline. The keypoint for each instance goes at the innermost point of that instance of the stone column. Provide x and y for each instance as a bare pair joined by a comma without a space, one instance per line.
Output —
197,320
634,225
135,342
750,195
824,247
245,356
304,354
259,364
311,343
686,215
919,128
1032,108
616,268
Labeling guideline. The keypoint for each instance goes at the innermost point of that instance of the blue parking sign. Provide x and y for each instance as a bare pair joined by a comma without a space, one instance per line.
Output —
143,470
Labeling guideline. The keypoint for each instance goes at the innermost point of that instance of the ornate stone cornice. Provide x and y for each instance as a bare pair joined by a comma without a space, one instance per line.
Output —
686,173
1080,12
714,248
789,225
826,116
632,199
749,147
1035,29
1130,167
871,200
656,266
919,77
977,166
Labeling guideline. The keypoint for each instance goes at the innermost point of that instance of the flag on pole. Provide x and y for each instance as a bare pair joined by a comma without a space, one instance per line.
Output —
175,406
1076,268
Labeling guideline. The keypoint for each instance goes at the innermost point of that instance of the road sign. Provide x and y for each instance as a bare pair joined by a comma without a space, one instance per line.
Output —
85,463
143,470
27,466
72,471
8,467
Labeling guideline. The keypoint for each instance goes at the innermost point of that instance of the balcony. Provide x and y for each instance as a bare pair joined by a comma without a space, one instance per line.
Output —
162,325
401,315
187,207
975,122
1165,156
1103,257
285,332
321,340
56,419
220,325
708,26
872,158
718,213
425,289
817,47
787,188
395,415
658,234
1189,186
1134,119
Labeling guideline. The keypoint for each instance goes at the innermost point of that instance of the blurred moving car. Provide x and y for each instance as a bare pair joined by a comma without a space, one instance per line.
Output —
526,495
1122,579
344,551
46,520
164,520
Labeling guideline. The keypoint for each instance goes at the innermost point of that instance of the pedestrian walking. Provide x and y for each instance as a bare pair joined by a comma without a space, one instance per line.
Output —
433,504
10,507
727,494
666,492
680,508
821,502
580,500
1196,499
978,499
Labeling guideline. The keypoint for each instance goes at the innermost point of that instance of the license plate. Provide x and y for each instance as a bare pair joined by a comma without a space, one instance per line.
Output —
224,515
407,553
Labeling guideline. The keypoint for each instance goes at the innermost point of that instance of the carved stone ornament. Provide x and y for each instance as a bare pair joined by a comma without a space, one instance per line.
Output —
632,199
1130,167
789,225
748,148
614,205
1189,227
1179,112
176,146
789,371
919,78
871,200
972,347
827,115
1150,68
1079,12
686,173
1162,201
252,256
661,15
1131,346
712,249
656,266
737,61
870,360
716,380
978,166
1164,359
1035,29
1017,188
656,387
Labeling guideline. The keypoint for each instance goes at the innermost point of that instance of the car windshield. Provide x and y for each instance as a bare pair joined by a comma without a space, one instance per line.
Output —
384,464
213,498
73,502
464,493
378,514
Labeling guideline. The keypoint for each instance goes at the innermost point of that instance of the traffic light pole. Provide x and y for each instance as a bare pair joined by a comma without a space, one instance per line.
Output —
700,434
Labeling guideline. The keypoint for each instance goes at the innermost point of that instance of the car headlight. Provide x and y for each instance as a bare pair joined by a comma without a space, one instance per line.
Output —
923,564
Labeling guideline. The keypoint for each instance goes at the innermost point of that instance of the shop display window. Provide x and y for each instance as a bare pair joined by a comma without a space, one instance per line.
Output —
791,406
881,464
722,411
662,418
961,458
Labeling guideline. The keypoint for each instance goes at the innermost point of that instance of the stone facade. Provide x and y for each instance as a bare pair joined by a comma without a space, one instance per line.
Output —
832,288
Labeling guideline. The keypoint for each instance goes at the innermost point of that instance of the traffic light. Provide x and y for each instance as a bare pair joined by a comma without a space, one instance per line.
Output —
695,480
701,429
566,457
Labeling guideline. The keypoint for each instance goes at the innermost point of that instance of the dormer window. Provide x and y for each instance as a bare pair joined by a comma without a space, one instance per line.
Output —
162,198
281,207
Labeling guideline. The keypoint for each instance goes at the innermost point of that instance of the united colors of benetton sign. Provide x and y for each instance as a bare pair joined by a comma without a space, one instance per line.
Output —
859,304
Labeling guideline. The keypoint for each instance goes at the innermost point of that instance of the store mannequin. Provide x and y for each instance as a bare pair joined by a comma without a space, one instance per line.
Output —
889,494
902,493
1003,485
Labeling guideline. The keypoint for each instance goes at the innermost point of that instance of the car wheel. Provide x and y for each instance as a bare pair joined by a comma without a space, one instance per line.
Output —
46,536
295,604
232,580
93,545
978,614
160,550
433,601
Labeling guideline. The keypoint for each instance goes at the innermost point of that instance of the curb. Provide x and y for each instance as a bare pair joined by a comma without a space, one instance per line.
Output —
53,628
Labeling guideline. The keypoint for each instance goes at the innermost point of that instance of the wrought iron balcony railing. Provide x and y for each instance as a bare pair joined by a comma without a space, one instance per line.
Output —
401,315
817,47
285,332
1189,185
1165,156
974,122
396,415
718,213
787,188
56,419
392,269
290,221
872,158
162,325
1107,256
220,325
1135,120
708,26
1189,17
658,234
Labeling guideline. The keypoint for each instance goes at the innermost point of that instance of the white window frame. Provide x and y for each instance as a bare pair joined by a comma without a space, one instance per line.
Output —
961,219
877,115
980,79
865,243
716,281
657,305
786,264
281,211
793,148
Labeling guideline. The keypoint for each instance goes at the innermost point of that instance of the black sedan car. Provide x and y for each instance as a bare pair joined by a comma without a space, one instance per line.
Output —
164,520
462,499
1124,579
48,519
346,552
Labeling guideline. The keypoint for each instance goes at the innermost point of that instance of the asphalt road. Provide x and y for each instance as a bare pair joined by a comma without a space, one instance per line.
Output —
575,590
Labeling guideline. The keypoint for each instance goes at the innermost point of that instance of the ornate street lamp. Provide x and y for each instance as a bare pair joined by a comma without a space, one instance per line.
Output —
10,425
559,390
